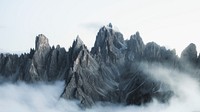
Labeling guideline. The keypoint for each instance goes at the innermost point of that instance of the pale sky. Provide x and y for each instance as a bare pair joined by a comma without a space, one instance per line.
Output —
170,23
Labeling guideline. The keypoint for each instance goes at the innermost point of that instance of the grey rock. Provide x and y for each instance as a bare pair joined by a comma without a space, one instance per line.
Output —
189,53
110,25
111,72
41,43
114,75
109,45
42,64
86,78
135,47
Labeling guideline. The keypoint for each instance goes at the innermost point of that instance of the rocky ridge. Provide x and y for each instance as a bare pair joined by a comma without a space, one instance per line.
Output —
111,72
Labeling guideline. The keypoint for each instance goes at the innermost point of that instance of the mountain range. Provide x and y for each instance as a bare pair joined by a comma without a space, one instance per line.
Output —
114,70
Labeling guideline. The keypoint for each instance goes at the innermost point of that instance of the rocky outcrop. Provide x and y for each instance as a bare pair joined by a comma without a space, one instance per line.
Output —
109,45
112,71
88,81
116,75
135,46
189,54
42,63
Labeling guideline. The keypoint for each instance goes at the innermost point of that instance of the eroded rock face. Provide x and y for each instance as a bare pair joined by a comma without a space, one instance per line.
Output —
112,72
42,64
135,47
189,53
109,45
88,81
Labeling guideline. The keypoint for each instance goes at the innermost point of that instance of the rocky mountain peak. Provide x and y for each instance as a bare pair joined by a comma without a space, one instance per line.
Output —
135,46
109,45
77,51
136,40
41,42
110,25
189,53
77,43
108,40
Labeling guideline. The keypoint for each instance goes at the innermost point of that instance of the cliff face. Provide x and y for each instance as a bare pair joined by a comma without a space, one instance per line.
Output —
112,71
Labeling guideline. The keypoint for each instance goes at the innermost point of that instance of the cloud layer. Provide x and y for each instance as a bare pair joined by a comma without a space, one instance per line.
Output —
40,97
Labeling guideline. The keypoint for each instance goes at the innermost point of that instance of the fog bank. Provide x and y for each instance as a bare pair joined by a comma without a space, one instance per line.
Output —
40,97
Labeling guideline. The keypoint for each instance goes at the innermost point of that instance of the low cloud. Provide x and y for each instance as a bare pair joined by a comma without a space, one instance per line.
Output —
40,97
94,26
185,87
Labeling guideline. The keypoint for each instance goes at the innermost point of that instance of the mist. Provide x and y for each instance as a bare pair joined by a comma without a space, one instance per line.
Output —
41,97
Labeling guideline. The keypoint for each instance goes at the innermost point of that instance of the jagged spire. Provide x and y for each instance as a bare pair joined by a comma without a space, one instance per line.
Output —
137,34
189,53
41,42
78,40
135,46
77,43
110,25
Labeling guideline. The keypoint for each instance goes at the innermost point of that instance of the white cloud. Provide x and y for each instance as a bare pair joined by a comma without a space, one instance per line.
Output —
21,97
40,97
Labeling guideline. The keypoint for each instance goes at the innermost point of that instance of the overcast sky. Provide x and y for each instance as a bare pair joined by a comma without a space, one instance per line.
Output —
171,23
